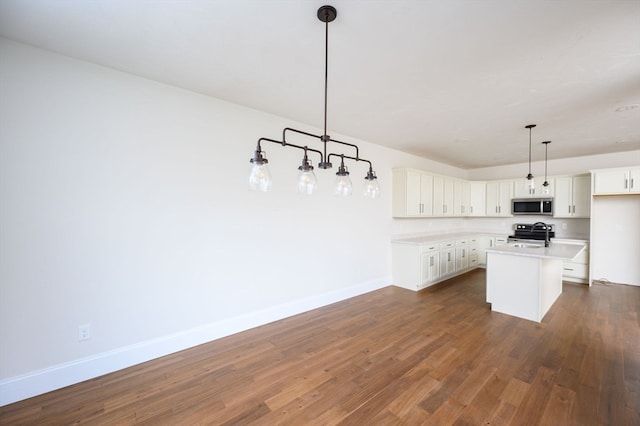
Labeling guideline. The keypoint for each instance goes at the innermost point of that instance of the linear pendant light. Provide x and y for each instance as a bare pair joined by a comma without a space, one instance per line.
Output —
531,184
260,178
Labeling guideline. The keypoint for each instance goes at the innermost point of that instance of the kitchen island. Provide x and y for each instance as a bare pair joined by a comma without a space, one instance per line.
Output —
524,280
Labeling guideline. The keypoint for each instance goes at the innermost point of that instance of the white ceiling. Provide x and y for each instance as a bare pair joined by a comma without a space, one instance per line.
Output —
453,80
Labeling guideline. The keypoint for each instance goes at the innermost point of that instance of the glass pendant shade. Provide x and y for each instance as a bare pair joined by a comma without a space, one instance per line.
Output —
259,177
307,182
343,186
531,183
371,188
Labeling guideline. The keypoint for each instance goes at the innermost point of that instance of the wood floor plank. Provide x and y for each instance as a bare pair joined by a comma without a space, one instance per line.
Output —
392,356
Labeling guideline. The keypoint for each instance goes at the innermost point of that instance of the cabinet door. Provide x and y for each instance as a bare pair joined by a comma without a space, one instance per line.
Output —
611,182
504,198
448,197
461,198
414,193
430,268
563,203
462,258
426,194
477,199
581,206
521,188
447,262
634,180
438,196
492,198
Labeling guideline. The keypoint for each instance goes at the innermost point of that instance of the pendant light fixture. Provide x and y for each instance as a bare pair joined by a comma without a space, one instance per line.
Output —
531,184
260,178
546,189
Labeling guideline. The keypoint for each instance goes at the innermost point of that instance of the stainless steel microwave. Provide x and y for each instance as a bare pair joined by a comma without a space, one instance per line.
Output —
532,206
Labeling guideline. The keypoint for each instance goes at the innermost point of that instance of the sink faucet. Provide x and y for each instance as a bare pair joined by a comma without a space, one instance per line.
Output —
546,232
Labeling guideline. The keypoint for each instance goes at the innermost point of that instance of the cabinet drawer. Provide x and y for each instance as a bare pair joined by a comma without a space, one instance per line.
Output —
473,243
429,247
575,270
462,242
447,244
473,260
501,240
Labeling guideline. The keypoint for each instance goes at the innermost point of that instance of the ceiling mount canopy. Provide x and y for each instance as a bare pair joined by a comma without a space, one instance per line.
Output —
260,178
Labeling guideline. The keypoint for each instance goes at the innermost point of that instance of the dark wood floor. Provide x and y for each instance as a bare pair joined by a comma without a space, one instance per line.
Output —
388,357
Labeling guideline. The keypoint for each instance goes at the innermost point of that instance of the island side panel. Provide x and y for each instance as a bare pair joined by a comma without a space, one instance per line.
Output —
551,285
513,285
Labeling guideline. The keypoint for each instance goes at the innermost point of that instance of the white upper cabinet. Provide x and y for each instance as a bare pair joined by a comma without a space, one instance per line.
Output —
521,189
412,193
442,196
616,181
461,200
477,199
499,195
572,196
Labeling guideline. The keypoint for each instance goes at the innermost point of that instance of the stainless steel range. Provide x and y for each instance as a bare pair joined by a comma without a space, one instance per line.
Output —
524,232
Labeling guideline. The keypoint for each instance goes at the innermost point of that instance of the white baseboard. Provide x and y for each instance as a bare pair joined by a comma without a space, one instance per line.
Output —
58,376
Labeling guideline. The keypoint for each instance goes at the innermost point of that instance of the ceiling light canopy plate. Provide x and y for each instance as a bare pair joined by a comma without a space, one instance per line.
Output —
327,13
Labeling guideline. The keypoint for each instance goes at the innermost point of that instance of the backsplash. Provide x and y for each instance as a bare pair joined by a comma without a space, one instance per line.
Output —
564,228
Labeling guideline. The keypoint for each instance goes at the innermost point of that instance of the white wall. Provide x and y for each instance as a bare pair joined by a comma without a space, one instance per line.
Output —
124,205
615,239
563,166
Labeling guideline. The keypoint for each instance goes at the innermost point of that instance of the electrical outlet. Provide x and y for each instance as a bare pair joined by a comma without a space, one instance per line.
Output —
84,332
564,226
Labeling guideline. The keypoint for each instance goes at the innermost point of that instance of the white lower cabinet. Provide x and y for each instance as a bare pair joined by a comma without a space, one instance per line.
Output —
473,252
485,242
462,255
417,266
430,271
447,258
578,269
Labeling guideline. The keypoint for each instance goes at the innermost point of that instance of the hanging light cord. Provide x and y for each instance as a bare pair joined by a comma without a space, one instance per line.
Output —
530,126
326,74
546,146
529,151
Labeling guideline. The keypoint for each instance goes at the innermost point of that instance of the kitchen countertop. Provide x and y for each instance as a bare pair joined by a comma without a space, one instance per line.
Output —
426,239
560,251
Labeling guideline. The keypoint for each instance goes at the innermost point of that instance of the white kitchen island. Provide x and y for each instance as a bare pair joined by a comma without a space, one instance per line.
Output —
526,281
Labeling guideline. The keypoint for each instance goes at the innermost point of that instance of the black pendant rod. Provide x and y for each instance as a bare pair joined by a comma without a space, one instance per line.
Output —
530,126
546,145
326,74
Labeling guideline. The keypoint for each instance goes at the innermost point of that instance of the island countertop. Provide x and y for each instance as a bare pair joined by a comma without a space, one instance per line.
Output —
560,251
